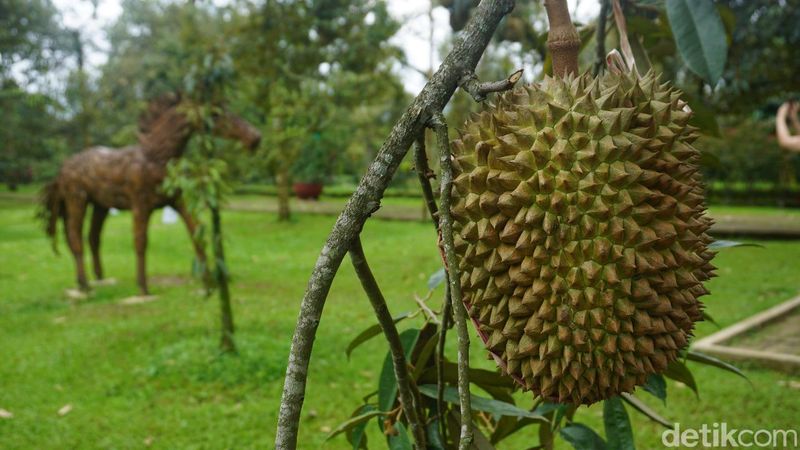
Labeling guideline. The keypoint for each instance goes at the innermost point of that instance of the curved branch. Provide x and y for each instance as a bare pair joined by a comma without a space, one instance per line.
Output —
446,231
373,291
462,59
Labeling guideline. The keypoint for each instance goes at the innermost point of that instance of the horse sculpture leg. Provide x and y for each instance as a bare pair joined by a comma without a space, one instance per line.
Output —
99,214
75,210
141,217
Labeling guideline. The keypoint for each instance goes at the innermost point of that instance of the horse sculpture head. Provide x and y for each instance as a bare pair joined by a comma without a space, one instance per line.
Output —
230,126
170,119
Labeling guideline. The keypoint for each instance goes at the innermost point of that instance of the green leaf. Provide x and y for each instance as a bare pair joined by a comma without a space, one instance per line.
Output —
700,36
353,422
436,279
703,117
423,355
434,437
646,410
356,435
481,403
720,244
370,333
547,407
657,386
678,371
486,379
617,425
702,358
582,437
510,425
707,317
387,384
401,441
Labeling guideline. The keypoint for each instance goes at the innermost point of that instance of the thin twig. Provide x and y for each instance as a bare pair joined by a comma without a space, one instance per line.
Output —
447,322
600,37
446,230
426,309
425,174
478,90
373,291
466,53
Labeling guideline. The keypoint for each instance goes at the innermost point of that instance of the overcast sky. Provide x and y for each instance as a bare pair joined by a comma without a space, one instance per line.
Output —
412,37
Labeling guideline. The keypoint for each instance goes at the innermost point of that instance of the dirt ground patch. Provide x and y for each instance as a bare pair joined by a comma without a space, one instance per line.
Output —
169,280
779,336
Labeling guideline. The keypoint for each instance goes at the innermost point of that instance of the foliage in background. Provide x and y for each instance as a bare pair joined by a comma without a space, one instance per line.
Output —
747,152
35,127
319,73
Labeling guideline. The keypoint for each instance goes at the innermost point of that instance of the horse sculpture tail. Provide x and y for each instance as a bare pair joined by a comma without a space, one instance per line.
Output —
51,207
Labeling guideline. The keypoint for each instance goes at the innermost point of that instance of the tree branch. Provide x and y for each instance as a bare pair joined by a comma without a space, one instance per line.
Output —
370,285
563,40
478,90
462,59
446,229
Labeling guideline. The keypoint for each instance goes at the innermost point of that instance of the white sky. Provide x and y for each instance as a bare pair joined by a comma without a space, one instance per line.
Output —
412,37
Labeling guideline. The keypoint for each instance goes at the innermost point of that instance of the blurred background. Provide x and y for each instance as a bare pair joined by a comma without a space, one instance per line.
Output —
325,80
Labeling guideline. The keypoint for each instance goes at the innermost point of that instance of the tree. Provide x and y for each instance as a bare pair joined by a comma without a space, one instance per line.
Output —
29,134
31,39
295,52
762,31
31,43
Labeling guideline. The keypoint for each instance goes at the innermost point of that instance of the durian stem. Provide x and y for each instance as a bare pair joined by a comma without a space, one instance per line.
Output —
446,231
563,40
467,50
373,291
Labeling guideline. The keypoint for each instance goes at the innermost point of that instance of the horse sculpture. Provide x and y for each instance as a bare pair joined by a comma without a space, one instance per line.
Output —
130,178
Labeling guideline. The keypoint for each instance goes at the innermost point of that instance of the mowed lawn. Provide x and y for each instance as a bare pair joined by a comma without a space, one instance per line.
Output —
139,375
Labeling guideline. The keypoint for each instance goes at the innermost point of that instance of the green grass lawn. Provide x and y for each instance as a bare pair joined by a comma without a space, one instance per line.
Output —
149,374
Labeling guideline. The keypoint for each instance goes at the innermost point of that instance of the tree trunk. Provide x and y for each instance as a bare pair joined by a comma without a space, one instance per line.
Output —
284,194
226,343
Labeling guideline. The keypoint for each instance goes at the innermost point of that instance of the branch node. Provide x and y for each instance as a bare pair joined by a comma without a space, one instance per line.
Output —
479,90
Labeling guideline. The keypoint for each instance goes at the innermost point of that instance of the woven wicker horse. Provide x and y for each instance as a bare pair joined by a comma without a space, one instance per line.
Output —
130,178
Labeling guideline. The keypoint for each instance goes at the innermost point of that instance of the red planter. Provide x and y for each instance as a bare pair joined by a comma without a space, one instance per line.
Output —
307,191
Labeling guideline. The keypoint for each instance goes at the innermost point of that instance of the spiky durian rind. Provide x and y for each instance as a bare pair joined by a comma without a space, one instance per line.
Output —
581,232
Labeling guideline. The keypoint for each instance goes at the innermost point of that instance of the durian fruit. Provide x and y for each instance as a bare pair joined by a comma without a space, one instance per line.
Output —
581,232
